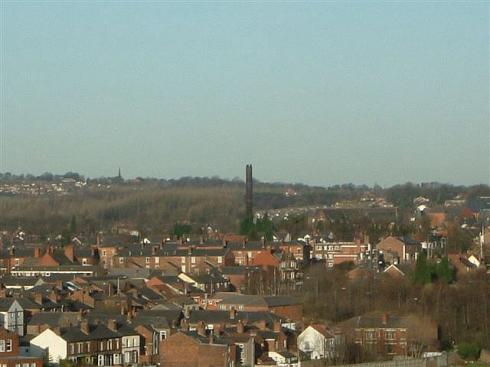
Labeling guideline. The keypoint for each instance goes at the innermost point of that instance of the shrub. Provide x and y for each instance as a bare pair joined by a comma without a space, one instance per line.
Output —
469,351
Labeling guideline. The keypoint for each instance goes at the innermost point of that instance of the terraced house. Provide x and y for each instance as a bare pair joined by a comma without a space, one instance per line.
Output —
98,344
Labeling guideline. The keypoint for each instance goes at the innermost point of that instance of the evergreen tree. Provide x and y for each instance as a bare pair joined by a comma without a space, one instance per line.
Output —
422,274
444,271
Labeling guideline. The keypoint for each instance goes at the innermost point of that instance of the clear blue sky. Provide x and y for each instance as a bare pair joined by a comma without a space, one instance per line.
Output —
318,92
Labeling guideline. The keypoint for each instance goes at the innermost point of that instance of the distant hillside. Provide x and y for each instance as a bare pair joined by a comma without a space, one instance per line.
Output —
155,205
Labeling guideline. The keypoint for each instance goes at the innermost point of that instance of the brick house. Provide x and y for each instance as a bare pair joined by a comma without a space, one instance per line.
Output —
11,354
399,249
188,260
318,341
191,349
335,253
390,334
245,252
97,344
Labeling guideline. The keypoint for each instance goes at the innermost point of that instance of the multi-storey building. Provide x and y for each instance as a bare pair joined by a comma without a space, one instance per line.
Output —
334,253
97,344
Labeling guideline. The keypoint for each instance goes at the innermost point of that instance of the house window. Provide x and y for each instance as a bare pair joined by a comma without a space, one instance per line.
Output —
193,260
370,335
163,335
390,335
80,347
110,344
84,261
2,346
147,260
88,346
117,343
220,259
101,345
121,260
104,253
182,259
157,260
72,348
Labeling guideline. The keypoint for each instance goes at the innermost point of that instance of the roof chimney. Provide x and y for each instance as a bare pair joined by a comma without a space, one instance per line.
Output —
84,327
111,324
277,326
384,318
37,252
240,328
249,191
184,324
201,329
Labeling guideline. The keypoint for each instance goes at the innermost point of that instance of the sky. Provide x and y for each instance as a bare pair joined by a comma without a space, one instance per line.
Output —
320,93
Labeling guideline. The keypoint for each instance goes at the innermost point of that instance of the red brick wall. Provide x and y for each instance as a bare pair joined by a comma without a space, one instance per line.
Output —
179,350
6,335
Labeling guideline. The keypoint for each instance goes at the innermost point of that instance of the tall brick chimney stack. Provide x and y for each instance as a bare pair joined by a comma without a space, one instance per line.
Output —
249,191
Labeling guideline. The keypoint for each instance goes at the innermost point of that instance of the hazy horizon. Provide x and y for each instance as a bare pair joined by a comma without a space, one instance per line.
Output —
242,179
314,93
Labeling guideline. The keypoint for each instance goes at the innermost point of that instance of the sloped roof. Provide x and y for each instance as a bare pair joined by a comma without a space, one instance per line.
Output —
322,329
53,318
275,301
